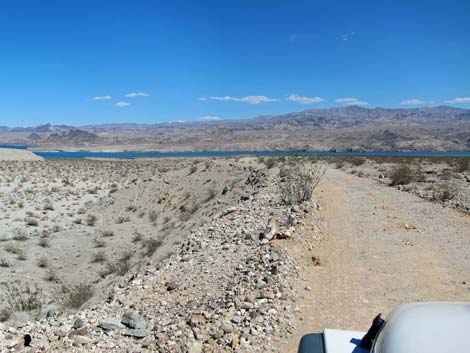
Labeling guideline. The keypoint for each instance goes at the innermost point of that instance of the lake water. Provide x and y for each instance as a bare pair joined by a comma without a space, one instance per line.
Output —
132,155
17,147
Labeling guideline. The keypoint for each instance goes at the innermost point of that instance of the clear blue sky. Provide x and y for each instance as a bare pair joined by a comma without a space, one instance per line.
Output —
226,59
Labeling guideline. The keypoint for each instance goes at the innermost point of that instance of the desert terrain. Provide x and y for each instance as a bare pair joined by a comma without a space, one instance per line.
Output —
237,254
440,128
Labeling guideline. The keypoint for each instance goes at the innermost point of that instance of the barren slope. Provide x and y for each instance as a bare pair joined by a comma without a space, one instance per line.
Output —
11,154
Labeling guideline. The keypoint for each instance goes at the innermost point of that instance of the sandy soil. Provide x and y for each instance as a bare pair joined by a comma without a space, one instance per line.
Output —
381,247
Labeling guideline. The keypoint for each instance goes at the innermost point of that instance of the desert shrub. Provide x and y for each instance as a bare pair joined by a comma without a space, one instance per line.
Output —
462,164
20,236
43,262
339,164
99,256
31,222
122,219
99,243
18,298
402,175
131,208
151,245
358,161
78,295
93,191
51,275
126,256
153,216
21,255
270,162
210,195
298,182
444,193
43,242
91,220
119,267
12,249
108,233
192,170
137,237
48,206
4,263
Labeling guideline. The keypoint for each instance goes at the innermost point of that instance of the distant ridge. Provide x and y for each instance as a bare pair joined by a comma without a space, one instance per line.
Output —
356,128
350,113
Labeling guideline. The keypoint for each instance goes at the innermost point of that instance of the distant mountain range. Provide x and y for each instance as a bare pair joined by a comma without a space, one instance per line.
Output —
441,127
317,117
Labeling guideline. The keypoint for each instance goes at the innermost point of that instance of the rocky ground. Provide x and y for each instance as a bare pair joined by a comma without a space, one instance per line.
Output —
215,255
221,284
442,180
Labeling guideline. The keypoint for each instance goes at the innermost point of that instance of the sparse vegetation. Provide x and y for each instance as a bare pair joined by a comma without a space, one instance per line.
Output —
108,233
78,295
151,245
91,220
137,237
402,175
4,263
99,257
17,298
43,262
32,222
122,219
153,216
462,165
298,182
43,242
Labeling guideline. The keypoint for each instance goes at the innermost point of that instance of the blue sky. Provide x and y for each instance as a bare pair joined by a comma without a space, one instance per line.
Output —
79,62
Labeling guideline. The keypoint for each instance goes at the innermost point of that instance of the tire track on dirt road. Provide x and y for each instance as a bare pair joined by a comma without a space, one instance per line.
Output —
382,247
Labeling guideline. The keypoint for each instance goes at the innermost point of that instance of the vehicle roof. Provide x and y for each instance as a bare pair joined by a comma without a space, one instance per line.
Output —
436,327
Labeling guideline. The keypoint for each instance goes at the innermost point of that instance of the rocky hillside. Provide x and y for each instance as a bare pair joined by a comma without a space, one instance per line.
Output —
217,281
441,128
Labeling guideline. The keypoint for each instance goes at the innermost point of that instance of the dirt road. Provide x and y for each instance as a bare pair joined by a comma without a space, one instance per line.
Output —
382,247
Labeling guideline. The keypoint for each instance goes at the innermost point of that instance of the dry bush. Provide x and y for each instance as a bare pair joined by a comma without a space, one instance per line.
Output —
43,262
122,219
108,233
137,237
119,267
403,174
31,222
99,256
357,161
91,220
192,170
462,164
298,182
4,263
20,236
12,249
446,192
43,242
270,162
48,206
18,298
151,245
78,295
153,216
